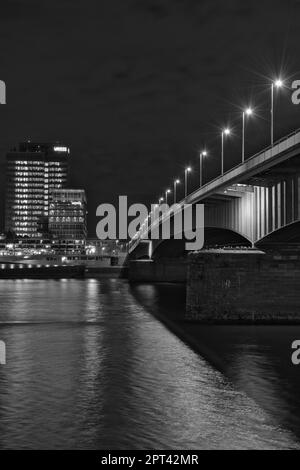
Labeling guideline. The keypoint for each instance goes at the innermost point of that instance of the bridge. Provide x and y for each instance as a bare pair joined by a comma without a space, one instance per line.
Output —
255,204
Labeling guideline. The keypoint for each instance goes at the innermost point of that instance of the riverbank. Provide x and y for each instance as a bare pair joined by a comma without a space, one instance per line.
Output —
22,271
28,271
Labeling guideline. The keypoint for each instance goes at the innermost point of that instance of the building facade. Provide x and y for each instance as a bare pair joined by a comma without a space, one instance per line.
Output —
32,172
68,215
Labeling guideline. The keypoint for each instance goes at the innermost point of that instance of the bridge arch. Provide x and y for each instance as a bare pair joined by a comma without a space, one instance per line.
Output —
289,234
213,237
142,251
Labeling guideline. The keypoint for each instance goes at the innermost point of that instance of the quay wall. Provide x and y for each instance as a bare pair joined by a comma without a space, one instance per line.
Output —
243,287
163,270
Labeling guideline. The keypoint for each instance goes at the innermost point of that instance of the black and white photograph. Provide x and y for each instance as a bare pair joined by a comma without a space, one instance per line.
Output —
149,229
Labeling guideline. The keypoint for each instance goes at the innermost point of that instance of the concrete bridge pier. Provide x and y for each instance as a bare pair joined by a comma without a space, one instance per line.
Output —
243,286
162,270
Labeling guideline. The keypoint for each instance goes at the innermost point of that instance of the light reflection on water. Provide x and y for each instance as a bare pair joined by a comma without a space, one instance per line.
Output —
89,367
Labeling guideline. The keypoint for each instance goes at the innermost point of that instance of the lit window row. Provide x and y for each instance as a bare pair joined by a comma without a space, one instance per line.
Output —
35,162
66,219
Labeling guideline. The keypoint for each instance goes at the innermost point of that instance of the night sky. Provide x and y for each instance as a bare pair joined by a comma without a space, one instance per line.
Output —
137,88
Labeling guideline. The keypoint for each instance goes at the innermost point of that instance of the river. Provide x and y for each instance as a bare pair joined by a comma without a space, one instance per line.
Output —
89,366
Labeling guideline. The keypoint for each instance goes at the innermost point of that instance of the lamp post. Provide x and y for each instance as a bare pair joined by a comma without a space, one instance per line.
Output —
202,154
186,171
247,112
175,187
276,84
166,193
225,132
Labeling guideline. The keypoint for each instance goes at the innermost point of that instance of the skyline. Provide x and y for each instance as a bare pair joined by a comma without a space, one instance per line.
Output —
277,84
136,113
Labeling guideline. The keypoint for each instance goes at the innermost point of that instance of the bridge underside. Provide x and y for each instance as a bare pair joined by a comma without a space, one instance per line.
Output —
285,236
281,171
218,237
213,236
255,204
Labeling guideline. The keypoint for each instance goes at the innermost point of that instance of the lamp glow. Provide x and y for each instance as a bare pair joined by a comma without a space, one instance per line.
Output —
277,84
186,171
226,132
247,112
202,154
167,192
175,184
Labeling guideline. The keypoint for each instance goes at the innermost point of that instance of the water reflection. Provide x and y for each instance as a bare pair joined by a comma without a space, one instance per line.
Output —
256,358
90,367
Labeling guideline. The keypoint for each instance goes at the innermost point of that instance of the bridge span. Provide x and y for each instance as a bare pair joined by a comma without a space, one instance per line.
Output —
258,201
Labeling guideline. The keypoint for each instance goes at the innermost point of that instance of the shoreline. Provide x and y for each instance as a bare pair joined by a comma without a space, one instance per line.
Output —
22,271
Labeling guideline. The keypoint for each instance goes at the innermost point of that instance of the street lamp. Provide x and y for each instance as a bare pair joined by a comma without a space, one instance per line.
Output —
167,192
186,171
175,185
247,112
202,154
225,132
277,84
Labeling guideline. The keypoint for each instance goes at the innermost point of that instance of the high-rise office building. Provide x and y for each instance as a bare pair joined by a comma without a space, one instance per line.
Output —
68,214
33,171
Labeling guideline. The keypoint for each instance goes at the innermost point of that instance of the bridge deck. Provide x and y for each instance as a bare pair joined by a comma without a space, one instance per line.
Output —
258,163
259,170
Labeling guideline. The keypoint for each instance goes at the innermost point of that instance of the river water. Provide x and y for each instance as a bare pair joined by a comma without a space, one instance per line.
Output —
89,366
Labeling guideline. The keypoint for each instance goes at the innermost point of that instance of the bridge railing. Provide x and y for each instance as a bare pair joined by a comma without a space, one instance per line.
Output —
241,164
144,230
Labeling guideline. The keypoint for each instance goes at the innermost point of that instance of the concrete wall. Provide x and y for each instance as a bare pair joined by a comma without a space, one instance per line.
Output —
110,272
248,286
163,270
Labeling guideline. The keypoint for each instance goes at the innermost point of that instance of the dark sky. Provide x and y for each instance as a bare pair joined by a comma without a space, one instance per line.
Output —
136,88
